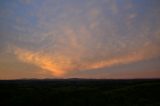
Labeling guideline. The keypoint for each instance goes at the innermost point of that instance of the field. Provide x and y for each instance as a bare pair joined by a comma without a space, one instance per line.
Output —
80,92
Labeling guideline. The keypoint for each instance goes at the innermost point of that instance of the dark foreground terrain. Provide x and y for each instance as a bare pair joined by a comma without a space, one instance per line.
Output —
80,92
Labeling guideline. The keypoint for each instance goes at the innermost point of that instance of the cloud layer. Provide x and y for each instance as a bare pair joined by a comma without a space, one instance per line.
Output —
65,36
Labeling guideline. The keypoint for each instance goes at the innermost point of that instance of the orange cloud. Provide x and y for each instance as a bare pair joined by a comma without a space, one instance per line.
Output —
126,59
60,65
40,60
149,51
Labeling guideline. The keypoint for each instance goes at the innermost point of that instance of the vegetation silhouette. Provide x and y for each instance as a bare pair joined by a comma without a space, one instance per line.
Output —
80,92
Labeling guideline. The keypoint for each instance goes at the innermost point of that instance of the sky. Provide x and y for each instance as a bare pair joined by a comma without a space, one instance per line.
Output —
109,39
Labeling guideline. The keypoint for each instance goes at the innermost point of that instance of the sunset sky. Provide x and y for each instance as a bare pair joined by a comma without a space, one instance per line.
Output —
79,39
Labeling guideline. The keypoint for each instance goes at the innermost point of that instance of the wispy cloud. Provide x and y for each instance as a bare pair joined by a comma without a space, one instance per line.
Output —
139,55
65,36
40,60
60,65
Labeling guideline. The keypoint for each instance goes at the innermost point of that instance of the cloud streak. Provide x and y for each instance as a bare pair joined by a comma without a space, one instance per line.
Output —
44,62
61,65
125,59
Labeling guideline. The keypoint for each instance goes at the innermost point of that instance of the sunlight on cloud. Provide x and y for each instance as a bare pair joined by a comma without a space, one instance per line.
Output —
61,65
126,59
39,60
62,37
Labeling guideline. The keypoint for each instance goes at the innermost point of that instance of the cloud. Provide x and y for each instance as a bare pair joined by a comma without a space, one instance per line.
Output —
61,37
59,65
40,60
139,55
